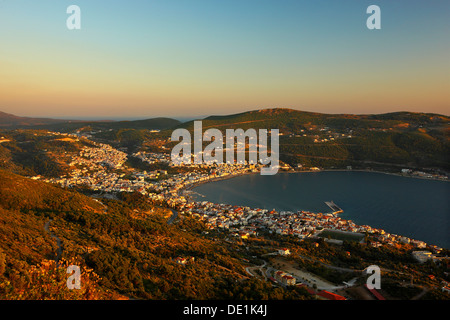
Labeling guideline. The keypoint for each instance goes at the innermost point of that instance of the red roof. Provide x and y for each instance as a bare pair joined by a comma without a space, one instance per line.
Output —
330,296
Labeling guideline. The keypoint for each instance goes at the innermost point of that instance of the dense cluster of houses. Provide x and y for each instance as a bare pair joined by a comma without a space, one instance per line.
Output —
421,174
245,221
152,158
102,154
97,168
92,168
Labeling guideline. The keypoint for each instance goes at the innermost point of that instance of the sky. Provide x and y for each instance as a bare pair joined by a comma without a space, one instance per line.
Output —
189,58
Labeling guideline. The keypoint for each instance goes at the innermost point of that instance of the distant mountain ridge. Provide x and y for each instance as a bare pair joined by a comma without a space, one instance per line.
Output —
290,120
281,112
282,116
401,139
12,121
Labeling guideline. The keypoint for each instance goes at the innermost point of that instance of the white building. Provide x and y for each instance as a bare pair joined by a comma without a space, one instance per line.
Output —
284,252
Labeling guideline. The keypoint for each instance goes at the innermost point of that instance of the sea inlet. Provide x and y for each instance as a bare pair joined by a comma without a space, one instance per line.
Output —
411,207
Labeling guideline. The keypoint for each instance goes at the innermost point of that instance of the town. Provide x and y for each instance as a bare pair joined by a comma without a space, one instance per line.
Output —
96,167
102,169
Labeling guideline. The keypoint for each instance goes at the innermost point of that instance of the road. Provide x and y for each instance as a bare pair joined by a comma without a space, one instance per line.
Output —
260,268
303,276
105,208
420,295
308,278
58,241
173,217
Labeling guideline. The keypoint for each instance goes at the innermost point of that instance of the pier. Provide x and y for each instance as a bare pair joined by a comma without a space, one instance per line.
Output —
334,207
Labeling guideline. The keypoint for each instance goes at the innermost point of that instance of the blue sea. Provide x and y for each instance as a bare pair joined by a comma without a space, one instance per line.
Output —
416,208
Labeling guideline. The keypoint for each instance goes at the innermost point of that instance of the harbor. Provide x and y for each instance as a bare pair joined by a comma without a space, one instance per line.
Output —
334,207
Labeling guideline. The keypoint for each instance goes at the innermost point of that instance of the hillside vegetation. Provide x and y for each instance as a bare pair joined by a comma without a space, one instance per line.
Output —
401,138
125,248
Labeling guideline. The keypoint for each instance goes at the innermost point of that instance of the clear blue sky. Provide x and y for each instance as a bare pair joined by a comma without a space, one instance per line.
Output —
200,57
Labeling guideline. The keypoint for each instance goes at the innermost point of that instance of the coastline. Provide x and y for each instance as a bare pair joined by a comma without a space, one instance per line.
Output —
367,170
186,192
182,191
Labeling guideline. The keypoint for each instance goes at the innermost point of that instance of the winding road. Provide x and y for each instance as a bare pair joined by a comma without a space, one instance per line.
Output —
173,217
58,240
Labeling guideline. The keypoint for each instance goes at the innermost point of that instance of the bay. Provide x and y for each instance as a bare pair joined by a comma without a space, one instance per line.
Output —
416,208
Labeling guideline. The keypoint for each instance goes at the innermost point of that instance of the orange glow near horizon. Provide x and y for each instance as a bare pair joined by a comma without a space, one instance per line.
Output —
176,65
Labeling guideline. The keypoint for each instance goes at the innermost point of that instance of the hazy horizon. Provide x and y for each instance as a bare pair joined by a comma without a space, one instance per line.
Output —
179,118
178,59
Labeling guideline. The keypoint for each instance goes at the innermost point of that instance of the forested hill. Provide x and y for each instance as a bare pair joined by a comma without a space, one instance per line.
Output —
415,140
10,121
23,194
290,120
28,247
148,124
125,249
384,141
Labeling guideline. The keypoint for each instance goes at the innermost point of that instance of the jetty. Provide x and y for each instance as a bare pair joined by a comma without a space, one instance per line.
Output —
333,206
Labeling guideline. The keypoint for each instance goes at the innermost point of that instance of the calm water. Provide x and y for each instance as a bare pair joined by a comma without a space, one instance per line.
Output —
416,208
